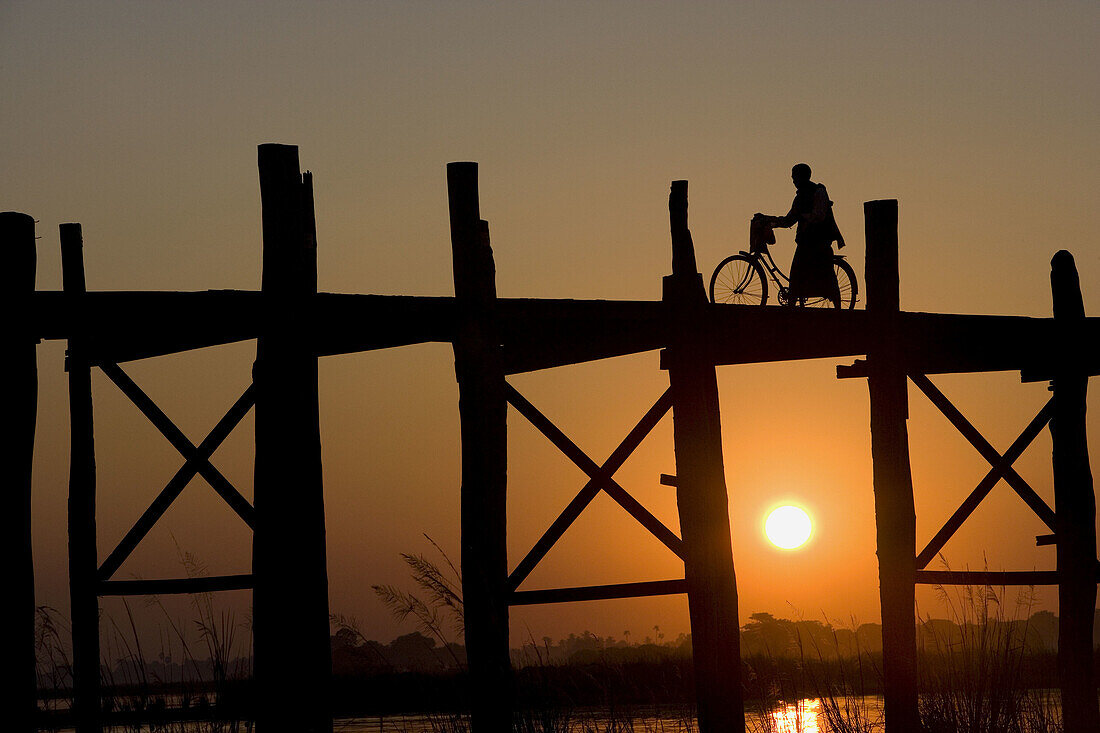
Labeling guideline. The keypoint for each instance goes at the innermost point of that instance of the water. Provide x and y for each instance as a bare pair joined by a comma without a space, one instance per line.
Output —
806,716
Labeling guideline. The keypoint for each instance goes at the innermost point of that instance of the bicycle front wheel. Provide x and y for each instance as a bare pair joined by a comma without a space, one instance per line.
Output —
846,284
739,279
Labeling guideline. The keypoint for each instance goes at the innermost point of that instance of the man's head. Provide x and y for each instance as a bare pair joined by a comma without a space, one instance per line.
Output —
800,174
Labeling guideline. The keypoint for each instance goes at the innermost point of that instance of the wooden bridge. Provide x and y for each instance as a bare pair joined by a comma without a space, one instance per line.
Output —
493,338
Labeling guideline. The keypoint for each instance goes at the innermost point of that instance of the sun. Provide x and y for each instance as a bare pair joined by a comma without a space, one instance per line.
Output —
788,527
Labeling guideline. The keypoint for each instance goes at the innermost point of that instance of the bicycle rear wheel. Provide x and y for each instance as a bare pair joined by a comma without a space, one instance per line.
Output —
739,279
846,282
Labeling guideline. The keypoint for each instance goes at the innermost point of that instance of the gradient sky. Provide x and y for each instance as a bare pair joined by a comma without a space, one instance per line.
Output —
140,120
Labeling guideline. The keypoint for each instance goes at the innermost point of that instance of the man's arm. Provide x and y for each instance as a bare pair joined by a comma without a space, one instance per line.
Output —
786,221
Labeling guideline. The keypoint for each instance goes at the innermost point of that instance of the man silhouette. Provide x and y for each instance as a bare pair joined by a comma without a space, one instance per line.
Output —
812,272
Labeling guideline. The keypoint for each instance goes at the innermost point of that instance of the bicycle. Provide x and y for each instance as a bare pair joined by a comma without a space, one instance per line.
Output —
740,279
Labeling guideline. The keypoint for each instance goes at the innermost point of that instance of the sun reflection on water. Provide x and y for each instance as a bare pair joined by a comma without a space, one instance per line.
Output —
798,718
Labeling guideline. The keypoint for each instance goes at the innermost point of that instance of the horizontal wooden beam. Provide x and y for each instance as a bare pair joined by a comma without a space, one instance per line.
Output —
174,586
975,577
124,326
545,333
597,592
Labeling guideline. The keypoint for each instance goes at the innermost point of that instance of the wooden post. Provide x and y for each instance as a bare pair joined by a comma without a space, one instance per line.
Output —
290,597
1075,506
484,430
895,516
19,376
83,556
701,489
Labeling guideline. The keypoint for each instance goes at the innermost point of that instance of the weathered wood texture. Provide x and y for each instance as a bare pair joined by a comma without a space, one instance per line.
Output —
895,516
290,599
701,497
83,555
1075,507
483,415
19,377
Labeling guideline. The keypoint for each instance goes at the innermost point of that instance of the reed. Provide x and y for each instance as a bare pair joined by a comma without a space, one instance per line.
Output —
974,675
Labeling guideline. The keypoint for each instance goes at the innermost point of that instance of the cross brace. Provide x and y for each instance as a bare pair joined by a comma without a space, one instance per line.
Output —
197,461
1001,467
600,478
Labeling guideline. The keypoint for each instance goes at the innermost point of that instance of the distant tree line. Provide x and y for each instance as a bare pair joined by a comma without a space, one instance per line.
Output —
764,635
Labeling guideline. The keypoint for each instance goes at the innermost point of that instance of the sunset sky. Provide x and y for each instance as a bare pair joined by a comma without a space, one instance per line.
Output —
141,120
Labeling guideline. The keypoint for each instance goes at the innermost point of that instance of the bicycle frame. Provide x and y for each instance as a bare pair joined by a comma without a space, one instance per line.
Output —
780,278
764,257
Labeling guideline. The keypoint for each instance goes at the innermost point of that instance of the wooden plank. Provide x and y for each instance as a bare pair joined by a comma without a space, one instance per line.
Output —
174,586
927,343
131,325
995,474
994,578
293,671
1075,504
599,477
140,325
83,556
597,592
543,334
701,488
177,484
19,375
546,333
895,517
483,415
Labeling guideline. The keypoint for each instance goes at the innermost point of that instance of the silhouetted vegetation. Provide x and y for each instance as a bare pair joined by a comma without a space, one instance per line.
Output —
986,668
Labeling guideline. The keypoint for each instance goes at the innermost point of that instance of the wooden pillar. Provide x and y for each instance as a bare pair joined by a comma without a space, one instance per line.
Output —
895,517
19,377
1075,506
484,430
83,555
701,488
290,597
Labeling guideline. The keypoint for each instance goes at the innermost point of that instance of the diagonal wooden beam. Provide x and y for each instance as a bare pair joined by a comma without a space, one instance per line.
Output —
179,441
177,483
987,451
600,477
995,474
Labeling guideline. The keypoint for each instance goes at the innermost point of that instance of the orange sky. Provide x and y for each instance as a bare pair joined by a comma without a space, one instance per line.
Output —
141,122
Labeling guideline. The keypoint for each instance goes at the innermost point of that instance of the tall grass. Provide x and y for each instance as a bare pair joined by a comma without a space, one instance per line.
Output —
841,683
149,692
53,661
973,674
